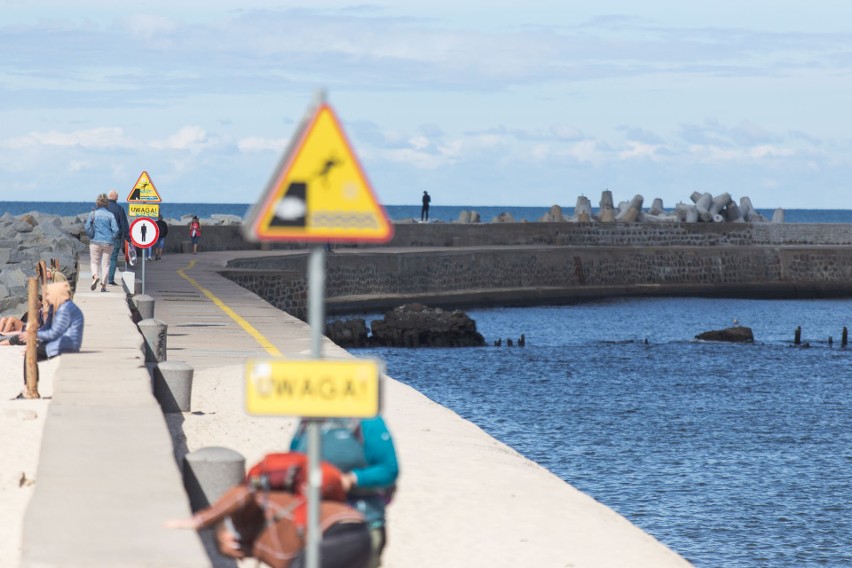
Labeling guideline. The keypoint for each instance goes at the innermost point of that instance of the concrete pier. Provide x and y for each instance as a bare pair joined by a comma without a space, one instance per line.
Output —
109,473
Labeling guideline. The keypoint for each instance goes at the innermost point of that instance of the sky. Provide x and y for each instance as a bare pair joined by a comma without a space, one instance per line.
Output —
493,102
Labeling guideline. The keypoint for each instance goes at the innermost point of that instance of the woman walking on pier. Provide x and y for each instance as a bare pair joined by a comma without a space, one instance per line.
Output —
102,230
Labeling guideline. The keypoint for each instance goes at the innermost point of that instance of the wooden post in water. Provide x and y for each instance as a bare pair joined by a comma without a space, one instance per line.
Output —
845,338
798,338
32,341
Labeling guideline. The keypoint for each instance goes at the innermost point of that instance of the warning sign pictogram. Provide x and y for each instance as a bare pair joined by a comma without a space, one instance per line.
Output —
319,191
144,191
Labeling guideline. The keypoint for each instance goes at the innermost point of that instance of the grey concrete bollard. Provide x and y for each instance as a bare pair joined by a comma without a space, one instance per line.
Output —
209,472
137,286
173,386
144,305
154,331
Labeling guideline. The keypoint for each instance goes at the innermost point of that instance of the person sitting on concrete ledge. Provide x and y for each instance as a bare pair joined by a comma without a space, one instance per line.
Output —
63,333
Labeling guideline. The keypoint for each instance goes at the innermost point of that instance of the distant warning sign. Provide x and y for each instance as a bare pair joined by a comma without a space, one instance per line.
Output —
144,191
319,191
143,209
144,232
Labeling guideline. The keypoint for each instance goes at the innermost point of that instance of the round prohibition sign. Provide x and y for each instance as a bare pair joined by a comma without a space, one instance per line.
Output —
144,232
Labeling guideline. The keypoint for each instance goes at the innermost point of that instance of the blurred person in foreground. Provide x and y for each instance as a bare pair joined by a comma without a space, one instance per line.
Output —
364,451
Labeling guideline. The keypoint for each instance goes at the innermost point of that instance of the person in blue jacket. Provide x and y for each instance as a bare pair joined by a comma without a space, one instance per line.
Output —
123,235
104,230
63,332
363,449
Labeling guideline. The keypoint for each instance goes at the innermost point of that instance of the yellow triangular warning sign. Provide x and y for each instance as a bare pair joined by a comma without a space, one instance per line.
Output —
144,191
319,191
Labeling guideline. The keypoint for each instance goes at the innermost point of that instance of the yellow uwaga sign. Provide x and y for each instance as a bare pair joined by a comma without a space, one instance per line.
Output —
143,210
313,388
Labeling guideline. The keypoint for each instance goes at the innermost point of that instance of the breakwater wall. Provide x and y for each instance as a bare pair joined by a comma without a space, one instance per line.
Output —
229,237
362,280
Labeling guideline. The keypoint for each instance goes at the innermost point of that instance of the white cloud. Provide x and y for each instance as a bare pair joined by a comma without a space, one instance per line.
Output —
191,138
414,158
769,151
420,142
100,138
258,144
713,153
639,150
586,151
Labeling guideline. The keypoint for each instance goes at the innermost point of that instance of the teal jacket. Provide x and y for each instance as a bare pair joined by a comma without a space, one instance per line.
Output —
365,448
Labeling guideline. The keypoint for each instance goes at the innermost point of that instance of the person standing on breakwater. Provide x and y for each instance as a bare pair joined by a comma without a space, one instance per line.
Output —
105,231
364,451
194,233
424,211
123,235
161,243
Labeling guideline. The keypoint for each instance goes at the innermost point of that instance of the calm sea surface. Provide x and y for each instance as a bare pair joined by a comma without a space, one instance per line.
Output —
732,455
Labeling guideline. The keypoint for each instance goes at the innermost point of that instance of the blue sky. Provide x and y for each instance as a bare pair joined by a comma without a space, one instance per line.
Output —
481,103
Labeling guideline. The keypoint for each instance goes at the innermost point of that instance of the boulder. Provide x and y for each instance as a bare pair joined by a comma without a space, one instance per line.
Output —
348,333
737,334
416,325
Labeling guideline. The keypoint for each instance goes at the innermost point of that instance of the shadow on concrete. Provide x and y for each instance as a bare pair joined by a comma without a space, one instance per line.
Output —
174,422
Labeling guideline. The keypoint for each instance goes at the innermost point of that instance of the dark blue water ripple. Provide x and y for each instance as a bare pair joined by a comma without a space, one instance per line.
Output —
733,455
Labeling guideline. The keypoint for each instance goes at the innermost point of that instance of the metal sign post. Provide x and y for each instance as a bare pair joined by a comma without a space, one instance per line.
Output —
139,237
335,205
316,319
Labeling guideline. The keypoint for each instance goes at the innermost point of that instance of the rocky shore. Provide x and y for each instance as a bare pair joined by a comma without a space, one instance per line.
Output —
29,238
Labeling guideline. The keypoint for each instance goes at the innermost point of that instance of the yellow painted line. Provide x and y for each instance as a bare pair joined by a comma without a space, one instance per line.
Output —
249,328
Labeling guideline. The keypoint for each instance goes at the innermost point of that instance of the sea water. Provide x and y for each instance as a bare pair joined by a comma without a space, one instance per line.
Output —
732,455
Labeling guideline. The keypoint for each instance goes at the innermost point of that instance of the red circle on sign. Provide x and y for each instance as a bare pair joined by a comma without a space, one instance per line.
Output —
144,232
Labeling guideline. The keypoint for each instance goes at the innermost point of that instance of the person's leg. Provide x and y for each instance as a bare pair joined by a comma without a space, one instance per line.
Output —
113,260
94,262
106,253
378,538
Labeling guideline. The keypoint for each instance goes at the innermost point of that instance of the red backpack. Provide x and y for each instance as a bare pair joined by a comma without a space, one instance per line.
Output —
289,472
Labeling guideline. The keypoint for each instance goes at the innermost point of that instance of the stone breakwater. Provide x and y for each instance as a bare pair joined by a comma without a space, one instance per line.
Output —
459,276
29,238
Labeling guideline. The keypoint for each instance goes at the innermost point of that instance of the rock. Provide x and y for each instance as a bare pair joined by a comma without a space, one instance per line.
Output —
503,218
738,334
348,333
416,325
464,217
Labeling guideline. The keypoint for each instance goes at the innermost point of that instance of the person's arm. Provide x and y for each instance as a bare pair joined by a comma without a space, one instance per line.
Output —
232,501
113,225
382,468
58,325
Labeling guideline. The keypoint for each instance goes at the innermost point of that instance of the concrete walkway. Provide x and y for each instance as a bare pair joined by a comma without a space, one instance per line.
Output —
108,475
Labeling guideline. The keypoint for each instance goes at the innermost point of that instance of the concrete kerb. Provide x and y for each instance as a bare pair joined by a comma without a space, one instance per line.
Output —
107,478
